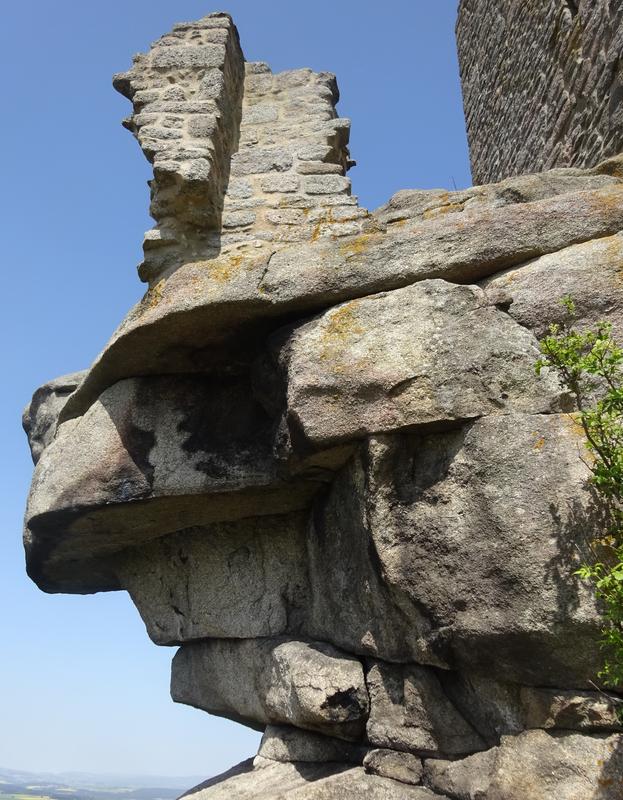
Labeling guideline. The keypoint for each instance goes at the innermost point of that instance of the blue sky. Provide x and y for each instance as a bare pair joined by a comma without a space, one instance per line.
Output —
81,686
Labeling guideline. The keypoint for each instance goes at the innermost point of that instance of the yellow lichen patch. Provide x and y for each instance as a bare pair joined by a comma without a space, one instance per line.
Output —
222,268
540,441
447,208
154,295
575,426
358,245
324,220
341,326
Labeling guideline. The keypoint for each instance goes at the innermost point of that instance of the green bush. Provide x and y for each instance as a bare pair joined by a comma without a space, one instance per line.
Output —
589,364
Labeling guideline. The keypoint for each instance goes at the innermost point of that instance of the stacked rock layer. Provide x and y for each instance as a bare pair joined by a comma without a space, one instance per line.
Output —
318,457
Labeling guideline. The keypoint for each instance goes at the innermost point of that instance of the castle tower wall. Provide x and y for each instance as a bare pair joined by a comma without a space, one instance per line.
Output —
542,83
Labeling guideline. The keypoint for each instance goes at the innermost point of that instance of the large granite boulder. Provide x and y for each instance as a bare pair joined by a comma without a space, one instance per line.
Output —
241,579
310,685
590,273
429,354
535,766
469,539
41,414
318,457
271,780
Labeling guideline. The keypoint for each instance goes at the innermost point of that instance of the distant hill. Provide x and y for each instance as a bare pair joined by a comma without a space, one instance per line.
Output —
20,785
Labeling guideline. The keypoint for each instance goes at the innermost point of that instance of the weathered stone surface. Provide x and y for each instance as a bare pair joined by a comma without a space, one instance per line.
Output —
535,766
152,456
41,414
351,601
469,510
496,709
187,189
403,767
410,712
269,780
186,322
541,84
287,744
422,204
430,353
469,540
583,711
241,579
493,708
589,272
457,247
261,681
362,527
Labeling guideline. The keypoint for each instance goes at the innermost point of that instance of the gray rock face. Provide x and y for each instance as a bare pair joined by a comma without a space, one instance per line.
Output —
496,709
288,744
261,681
154,455
431,353
410,509
402,767
583,711
268,780
41,414
318,457
535,766
589,272
240,579
409,712
422,204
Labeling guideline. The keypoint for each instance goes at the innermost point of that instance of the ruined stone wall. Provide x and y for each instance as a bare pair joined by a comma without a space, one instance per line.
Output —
542,83
241,157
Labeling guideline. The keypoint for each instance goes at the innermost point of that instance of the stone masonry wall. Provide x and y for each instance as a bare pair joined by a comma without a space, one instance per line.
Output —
242,157
542,83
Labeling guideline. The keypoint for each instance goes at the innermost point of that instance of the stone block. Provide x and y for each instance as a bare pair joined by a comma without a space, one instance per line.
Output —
326,184
189,56
279,183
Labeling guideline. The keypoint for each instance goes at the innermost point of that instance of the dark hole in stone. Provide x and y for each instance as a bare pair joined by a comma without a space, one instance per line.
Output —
344,700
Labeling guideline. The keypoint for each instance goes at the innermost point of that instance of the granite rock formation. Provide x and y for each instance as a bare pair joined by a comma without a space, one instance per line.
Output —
318,457
542,83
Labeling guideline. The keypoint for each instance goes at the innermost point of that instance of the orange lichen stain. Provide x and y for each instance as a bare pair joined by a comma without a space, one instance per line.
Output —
607,201
325,219
357,245
611,166
575,426
538,445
